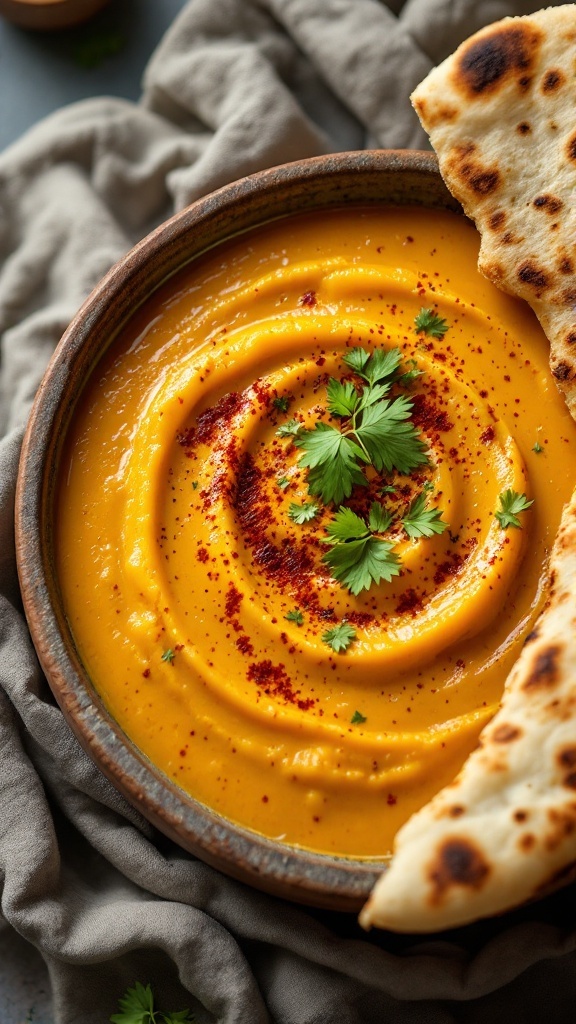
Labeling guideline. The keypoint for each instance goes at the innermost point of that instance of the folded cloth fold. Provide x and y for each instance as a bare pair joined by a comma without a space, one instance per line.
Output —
235,86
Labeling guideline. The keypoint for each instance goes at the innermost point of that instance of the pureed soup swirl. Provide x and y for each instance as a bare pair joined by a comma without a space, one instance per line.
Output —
201,608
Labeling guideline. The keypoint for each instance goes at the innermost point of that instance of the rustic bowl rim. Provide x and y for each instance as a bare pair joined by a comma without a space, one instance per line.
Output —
338,883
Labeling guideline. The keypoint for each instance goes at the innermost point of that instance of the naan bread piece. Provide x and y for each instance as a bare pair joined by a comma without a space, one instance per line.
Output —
505,830
501,114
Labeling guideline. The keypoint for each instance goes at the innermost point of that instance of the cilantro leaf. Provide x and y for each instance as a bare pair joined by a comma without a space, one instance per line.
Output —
379,520
405,380
168,655
376,367
281,403
421,521
303,513
429,322
390,441
357,718
283,482
356,360
339,637
357,564
333,461
289,429
382,365
137,1007
295,616
342,398
511,503
537,448
345,526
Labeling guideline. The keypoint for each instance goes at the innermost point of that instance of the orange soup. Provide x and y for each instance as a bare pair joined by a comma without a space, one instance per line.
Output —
315,664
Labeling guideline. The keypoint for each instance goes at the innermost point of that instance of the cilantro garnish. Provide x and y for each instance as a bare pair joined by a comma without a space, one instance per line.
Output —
357,718
339,637
281,403
303,513
378,430
421,521
357,558
289,429
510,504
137,1007
429,322
283,482
168,655
537,448
295,616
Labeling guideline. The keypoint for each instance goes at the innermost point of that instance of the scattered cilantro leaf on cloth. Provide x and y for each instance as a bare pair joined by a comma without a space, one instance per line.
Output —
357,718
430,323
137,1007
339,637
511,503
304,513
421,521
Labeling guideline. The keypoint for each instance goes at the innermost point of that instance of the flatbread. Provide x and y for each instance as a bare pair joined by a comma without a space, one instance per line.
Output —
500,114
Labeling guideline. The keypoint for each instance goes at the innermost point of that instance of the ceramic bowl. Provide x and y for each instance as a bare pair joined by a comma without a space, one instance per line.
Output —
48,15
395,177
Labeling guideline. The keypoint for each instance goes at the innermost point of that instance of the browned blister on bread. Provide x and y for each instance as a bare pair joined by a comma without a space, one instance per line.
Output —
501,115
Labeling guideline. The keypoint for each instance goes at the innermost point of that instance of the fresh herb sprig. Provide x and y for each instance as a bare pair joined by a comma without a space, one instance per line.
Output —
137,1007
422,521
339,637
357,557
430,323
511,503
377,430
303,513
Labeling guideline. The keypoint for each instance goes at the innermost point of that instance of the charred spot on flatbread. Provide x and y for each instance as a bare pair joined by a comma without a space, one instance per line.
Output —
507,54
545,670
458,862
567,762
475,176
571,147
506,733
530,273
553,80
563,371
547,203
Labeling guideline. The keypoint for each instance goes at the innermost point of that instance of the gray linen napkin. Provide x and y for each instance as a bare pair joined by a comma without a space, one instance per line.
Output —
235,86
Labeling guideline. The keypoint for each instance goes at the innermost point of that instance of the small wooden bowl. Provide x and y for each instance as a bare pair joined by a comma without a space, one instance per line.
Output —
394,178
45,15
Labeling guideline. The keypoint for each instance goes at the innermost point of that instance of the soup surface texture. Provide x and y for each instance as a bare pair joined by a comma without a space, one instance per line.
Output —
193,557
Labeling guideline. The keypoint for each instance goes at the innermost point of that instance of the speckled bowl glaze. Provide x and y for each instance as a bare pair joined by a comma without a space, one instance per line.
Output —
394,177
